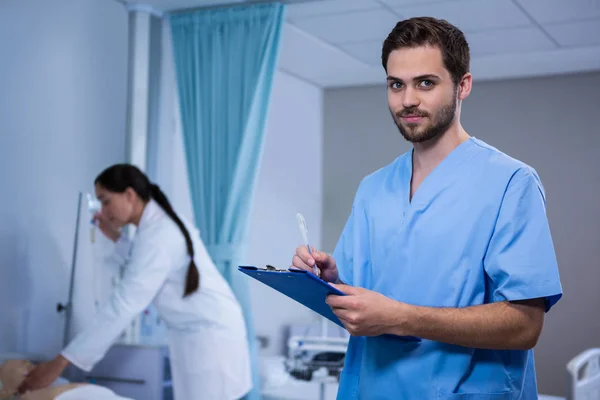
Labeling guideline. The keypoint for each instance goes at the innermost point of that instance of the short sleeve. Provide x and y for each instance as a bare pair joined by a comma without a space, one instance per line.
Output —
352,254
343,253
520,260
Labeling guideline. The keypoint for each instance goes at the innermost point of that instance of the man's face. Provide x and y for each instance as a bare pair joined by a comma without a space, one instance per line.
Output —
421,95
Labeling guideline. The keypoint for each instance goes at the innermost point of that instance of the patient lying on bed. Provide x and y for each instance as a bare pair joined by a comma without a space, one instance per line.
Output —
13,372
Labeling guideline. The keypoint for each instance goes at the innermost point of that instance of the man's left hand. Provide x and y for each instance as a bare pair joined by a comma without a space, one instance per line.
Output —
367,313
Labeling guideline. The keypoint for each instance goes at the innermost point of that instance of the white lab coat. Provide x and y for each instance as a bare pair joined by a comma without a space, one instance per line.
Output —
208,344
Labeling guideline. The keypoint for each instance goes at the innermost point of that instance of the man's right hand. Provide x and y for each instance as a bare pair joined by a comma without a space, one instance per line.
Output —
326,264
109,231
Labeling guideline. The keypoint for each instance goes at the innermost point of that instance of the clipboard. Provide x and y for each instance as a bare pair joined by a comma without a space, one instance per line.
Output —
299,285
305,288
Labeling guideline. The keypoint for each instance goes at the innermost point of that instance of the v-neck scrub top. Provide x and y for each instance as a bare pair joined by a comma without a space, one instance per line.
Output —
475,232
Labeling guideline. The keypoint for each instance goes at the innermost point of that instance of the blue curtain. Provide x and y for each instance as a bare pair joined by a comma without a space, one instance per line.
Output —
225,60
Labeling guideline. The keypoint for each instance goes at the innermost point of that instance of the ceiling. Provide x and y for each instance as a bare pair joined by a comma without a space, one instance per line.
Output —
332,43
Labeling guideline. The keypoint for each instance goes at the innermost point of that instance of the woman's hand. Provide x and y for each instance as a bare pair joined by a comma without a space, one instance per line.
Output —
109,231
44,374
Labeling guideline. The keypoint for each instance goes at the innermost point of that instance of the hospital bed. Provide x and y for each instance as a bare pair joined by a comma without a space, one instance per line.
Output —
585,375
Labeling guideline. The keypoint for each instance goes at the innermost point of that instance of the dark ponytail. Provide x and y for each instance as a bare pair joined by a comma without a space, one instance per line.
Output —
192,280
119,177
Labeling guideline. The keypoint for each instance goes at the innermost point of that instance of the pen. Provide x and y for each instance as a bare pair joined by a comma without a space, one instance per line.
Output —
304,232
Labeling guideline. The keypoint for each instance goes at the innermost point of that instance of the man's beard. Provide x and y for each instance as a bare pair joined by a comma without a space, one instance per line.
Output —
417,133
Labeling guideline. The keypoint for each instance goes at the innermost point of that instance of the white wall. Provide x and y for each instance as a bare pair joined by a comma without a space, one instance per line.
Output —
289,182
62,119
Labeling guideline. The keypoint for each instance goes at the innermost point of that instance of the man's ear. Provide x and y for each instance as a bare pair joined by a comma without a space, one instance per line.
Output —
464,86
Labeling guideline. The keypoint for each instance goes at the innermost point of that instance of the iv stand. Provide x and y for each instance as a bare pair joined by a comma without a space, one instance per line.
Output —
69,306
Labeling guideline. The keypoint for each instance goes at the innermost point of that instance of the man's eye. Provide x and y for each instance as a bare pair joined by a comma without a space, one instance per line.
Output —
395,85
426,83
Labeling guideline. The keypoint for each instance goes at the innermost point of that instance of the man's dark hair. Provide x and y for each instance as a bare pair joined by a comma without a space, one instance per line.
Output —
434,32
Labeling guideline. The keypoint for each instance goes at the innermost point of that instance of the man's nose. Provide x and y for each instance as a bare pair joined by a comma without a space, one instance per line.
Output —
410,98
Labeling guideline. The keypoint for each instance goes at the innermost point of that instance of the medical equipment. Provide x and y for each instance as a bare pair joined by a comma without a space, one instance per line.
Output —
307,354
68,307
304,232
94,207
315,359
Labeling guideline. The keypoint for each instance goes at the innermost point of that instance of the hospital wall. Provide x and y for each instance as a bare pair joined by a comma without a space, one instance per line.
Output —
289,181
62,119
550,123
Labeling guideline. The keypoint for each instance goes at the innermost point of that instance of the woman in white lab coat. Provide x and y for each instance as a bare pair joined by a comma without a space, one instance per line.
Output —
168,265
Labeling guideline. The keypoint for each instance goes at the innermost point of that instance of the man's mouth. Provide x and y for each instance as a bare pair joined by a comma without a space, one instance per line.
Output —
412,118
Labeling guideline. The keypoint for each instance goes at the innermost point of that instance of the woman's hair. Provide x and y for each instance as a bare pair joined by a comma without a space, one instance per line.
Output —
119,177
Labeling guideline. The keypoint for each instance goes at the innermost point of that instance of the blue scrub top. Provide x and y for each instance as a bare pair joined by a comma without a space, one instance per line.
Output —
475,232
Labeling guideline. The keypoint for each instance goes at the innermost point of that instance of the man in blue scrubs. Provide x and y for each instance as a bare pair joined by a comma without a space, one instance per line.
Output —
449,243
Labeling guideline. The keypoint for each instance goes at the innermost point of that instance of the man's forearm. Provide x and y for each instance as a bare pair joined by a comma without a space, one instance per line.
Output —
502,325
